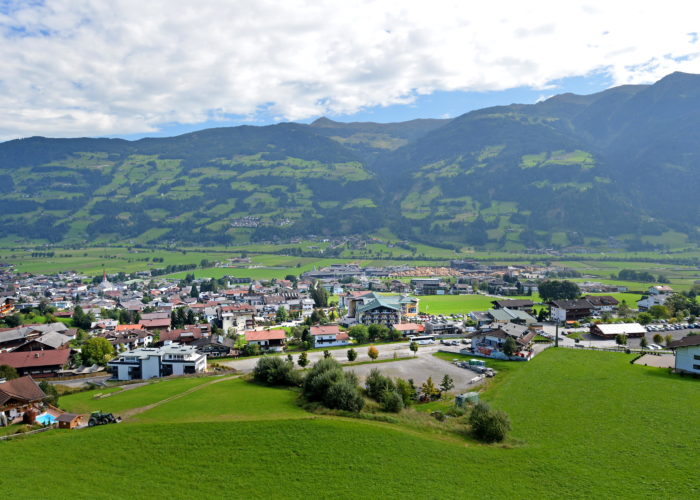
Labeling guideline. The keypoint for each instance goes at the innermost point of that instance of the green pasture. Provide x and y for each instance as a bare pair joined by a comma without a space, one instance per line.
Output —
585,425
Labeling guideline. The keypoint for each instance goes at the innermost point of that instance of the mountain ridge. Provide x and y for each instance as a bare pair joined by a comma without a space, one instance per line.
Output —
570,170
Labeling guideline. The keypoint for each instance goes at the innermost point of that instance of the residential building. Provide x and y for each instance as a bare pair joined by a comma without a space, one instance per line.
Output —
687,352
37,363
154,362
328,336
514,304
17,396
372,308
216,346
489,343
268,340
570,310
407,329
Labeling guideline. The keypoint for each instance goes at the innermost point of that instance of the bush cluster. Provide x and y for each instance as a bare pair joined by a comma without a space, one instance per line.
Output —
488,425
328,384
394,396
275,370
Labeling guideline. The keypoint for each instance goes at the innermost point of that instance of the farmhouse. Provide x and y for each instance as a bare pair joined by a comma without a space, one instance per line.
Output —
156,362
17,396
610,331
570,310
687,352
328,336
37,363
268,340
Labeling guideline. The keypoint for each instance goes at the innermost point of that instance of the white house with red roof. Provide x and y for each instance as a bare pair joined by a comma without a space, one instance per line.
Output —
328,336
268,340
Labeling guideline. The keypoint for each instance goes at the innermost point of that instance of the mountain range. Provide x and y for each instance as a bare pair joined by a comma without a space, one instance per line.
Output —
621,165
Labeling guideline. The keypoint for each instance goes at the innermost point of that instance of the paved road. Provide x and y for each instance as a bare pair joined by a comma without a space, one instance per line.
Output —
386,351
79,382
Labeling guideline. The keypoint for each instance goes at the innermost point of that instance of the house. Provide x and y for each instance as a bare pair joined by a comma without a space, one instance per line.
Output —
268,340
155,324
47,341
687,352
443,328
37,363
506,315
216,346
602,303
570,310
154,362
489,343
610,331
654,299
407,329
17,396
429,286
328,336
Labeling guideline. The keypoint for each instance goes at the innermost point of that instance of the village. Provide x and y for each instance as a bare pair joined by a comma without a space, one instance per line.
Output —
75,331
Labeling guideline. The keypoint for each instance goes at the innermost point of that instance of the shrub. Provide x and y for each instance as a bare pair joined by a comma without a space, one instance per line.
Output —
376,384
406,390
391,400
276,370
322,375
489,425
344,395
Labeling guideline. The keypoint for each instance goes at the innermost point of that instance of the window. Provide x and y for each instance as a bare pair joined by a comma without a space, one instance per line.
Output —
696,367
696,357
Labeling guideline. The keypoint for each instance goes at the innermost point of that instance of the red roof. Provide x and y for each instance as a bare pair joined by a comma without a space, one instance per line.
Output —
342,336
405,327
266,335
121,328
29,359
324,330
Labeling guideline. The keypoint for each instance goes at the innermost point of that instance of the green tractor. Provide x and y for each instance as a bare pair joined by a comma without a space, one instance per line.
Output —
99,418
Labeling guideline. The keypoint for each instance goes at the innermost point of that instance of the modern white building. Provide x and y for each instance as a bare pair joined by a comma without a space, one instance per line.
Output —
145,363
687,354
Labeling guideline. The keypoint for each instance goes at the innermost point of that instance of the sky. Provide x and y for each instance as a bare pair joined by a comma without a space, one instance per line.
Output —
127,68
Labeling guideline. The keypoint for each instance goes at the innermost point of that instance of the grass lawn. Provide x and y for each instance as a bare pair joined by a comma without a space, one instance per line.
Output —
585,425
454,304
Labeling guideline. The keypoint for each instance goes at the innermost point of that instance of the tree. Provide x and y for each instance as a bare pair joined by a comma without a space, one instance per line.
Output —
372,352
406,390
50,391
96,351
621,339
281,315
428,389
668,339
14,320
303,360
391,401
326,353
509,346
352,355
378,332
643,343
319,295
558,290
490,426
659,312
658,338
194,292
447,383
274,370
376,384
80,319
359,333
413,346
644,318
8,372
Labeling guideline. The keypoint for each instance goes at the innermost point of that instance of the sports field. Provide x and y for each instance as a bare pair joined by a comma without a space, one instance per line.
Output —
585,425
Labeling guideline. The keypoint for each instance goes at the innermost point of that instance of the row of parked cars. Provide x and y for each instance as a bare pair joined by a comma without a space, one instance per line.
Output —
667,327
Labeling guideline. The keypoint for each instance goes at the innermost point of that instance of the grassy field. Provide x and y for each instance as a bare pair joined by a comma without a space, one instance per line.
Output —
454,304
585,425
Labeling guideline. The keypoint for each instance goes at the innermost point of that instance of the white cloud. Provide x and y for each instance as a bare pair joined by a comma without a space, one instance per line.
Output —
83,67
